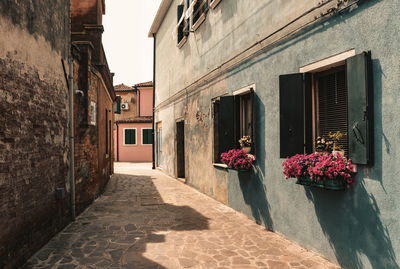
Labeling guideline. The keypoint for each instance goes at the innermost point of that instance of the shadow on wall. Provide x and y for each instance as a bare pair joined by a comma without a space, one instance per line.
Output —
254,195
251,184
351,222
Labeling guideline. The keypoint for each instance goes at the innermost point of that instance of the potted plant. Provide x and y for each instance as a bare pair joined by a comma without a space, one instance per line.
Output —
335,138
330,144
245,143
237,159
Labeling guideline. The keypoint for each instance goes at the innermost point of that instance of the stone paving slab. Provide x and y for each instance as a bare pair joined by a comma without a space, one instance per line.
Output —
148,220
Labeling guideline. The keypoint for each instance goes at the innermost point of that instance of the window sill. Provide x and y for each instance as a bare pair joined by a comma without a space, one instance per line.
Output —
199,22
182,42
214,4
220,165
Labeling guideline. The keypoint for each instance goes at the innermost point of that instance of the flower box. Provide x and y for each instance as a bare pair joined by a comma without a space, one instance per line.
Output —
238,160
330,172
328,184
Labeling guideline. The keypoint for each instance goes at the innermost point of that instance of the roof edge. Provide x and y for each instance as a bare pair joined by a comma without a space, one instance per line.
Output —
158,19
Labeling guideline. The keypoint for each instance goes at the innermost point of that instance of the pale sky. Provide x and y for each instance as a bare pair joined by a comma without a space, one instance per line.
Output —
128,49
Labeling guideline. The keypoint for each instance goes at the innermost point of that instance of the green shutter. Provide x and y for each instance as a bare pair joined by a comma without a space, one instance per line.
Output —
147,137
117,108
226,124
360,114
127,137
295,108
130,137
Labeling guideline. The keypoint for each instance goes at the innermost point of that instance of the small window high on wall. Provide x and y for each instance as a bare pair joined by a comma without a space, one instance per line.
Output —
317,103
199,11
183,25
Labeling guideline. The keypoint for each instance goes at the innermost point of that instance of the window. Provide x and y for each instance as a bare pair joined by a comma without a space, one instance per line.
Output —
339,99
214,3
330,105
147,136
234,117
159,144
93,113
199,13
106,129
129,136
117,105
183,26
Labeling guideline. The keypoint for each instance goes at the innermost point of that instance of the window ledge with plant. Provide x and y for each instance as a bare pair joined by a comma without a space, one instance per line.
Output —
239,159
335,107
328,168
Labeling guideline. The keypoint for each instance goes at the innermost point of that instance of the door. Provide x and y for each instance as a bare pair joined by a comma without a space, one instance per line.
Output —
180,149
159,144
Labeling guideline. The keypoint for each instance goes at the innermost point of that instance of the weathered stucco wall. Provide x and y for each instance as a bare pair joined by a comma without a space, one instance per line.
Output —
195,110
133,153
34,126
358,228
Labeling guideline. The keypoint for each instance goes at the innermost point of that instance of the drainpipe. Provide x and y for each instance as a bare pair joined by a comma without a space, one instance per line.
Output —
154,100
71,135
138,100
117,142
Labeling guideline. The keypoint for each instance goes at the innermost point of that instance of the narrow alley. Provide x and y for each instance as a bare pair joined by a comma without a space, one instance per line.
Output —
148,220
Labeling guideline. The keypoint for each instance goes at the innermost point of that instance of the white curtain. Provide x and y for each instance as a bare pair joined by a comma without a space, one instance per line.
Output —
175,31
190,9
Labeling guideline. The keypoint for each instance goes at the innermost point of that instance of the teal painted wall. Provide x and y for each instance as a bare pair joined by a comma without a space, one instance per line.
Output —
359,228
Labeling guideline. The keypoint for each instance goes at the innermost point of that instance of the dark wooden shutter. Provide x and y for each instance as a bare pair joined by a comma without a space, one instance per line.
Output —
127,137
226,124
181,26
147,137
360,114
117,106
133,136
253,100
295,114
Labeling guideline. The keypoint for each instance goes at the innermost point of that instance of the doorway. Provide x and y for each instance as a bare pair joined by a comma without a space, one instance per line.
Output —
159,144
180,149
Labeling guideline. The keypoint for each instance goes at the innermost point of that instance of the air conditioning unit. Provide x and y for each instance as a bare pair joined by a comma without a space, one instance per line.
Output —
124,106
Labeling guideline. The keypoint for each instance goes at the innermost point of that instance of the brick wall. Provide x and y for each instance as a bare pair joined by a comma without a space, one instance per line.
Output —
92,172
132,112
33,126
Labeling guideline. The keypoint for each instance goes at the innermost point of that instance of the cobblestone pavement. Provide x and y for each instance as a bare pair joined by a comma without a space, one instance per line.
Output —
148,220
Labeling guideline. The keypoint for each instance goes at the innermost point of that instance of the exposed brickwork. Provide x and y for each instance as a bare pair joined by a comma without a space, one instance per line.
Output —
33,157
92,163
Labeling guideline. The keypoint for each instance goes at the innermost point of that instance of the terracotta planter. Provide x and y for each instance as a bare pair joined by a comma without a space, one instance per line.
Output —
336,152
246,149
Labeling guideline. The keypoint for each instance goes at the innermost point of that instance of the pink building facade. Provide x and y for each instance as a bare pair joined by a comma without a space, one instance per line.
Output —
133,132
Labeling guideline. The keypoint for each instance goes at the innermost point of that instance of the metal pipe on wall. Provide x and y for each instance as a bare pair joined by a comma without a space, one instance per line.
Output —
71,135
154,100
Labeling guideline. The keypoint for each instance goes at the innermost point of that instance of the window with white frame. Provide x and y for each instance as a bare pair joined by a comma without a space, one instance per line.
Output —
334,98
147,136
200,8
182,26
130,136
214,3
93,113
234,117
